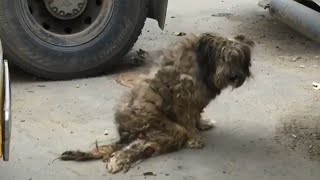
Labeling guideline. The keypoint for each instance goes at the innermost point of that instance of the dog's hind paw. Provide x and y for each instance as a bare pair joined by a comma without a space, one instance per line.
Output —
71,155
197,143
206,124
118,162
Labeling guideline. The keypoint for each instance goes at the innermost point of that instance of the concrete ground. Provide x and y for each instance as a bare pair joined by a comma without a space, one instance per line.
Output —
267,129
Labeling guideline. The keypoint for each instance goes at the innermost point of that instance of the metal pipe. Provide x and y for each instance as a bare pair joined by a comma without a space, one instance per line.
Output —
299,17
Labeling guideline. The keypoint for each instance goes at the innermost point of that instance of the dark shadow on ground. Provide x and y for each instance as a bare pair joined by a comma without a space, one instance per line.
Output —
127,63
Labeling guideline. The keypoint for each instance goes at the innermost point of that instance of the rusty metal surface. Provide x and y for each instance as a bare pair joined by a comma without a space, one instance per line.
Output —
297,16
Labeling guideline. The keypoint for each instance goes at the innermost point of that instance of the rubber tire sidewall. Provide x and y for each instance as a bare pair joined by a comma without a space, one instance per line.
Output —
53,62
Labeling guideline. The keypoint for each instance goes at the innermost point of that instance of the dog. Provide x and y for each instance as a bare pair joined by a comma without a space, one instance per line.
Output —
162,112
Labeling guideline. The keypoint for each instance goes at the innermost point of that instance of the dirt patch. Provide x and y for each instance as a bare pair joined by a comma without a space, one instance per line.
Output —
222,15
276,38
301,133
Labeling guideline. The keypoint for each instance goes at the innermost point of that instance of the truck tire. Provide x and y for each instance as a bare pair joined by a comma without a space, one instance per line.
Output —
57,47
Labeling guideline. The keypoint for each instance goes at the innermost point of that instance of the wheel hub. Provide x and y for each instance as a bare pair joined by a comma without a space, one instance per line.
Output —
66,9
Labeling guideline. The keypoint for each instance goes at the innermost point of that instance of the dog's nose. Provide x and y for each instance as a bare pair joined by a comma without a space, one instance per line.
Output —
239,83
233,77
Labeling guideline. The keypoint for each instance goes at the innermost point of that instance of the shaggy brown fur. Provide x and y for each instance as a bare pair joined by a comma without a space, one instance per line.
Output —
163,112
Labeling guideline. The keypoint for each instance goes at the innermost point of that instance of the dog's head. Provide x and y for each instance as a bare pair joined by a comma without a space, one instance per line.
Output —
224,61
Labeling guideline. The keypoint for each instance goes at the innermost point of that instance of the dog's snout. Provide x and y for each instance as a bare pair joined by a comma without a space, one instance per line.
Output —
239,83
236,79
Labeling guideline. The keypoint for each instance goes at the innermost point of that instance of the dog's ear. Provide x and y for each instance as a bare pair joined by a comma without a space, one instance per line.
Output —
246,59
245,40
205,48
206,52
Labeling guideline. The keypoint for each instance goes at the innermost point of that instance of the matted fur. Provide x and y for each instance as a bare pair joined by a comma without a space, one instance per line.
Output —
162,113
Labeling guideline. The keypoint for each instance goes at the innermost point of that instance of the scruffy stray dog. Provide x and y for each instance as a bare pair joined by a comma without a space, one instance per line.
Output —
163,112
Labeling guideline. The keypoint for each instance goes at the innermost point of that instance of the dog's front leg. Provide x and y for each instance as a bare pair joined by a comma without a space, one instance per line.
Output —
205,124
187,109
190,118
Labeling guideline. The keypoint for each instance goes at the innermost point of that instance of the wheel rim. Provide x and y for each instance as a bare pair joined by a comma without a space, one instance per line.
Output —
66,22
67,10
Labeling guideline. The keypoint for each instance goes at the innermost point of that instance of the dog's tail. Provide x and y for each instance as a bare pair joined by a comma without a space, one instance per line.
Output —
99,152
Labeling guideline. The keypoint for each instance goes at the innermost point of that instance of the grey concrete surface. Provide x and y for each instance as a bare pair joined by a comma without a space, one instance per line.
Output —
264,130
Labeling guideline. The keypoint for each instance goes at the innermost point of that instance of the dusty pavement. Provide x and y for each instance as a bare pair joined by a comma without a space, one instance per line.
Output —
267,129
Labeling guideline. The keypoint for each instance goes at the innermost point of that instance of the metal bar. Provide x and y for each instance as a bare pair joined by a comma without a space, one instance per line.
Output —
7,112
299,17
5,108
2,129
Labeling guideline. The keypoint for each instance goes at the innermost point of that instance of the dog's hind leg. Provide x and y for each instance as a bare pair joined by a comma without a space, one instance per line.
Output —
122,159
100,152
153,144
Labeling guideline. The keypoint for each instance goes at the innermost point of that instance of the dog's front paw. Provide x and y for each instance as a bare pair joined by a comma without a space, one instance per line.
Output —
206,124
197,143
118,162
